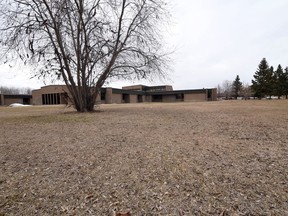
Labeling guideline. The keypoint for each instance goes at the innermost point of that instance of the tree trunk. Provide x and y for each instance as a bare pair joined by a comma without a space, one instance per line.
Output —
85,103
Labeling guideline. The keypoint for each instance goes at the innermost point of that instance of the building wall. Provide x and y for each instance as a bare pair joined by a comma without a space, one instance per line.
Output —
159,88
62,90
133,99
1,99
148,98
214,94
116,98
125,96
98,99
108,96
9,101
6,100
134,87
168,98
168,88
37,97
195,97
140,98
52,89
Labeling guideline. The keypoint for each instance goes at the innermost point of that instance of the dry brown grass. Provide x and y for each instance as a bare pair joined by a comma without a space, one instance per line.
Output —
212,158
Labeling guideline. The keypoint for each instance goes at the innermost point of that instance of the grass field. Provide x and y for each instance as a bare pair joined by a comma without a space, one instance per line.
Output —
210,158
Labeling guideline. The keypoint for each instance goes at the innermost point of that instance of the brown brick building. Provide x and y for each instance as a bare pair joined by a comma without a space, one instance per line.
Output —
57,94
7,99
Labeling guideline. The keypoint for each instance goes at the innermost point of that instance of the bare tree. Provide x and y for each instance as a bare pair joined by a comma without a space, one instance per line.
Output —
227,88
26,90
86,42
219,91
246,91
13,90
9,90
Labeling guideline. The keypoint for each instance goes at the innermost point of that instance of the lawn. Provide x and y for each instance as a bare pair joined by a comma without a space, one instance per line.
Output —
204,158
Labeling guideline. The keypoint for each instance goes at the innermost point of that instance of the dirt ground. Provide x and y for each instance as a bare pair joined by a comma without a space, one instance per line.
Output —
210,158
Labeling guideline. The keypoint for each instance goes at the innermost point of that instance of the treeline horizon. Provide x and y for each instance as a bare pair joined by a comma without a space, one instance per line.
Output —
15,90
267,82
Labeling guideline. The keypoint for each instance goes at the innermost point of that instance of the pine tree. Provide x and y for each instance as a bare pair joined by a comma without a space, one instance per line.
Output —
280,80
270,82
285,81
236,87
262,84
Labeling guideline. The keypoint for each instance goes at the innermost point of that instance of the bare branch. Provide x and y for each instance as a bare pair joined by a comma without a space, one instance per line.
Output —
85,42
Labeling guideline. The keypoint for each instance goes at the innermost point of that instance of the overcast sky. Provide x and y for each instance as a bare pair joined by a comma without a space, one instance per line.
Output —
215,40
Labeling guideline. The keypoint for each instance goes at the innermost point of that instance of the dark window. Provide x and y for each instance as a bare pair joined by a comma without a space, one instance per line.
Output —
157,98
179,97
209,94
125,98
58,98
43,99
50,99
139,98
47,99
26,100
103,96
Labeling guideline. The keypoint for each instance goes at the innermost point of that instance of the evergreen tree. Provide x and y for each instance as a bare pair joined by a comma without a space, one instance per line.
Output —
285,81
271,82
280,80
236,87
263,82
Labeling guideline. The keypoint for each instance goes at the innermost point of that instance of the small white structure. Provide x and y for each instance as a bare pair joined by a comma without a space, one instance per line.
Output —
18,105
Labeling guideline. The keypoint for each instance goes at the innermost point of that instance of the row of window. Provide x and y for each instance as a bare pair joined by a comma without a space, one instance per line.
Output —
48,99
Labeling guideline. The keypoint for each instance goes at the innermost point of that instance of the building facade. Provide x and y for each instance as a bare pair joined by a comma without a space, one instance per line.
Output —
7,99
59,94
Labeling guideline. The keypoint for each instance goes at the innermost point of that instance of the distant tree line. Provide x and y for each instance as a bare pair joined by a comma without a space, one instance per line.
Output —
234,89
267,82
13,90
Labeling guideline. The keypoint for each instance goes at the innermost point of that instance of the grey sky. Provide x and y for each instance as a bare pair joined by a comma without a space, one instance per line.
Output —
215,40
219,39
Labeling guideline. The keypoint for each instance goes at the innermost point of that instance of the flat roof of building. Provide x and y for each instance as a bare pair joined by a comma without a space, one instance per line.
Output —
17,96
